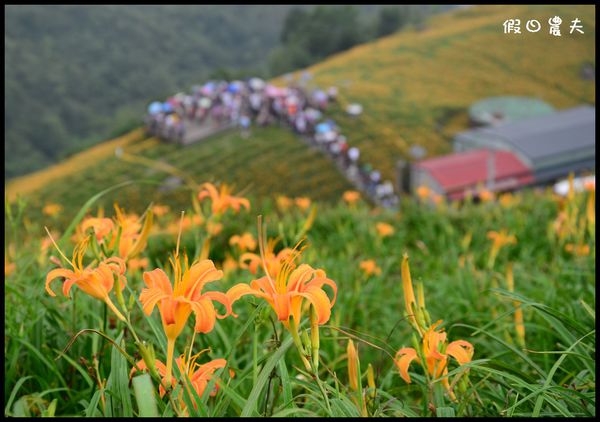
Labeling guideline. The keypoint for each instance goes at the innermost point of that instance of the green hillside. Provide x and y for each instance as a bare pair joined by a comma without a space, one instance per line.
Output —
415,86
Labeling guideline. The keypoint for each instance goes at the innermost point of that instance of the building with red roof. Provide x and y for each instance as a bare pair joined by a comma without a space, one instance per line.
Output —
455,175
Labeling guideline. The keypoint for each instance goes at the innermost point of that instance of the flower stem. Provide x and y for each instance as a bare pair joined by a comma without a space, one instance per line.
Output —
294,332
114,309
170,351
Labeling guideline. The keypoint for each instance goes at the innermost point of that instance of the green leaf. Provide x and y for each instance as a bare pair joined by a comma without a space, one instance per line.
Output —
13,393
287,385
92,407
445,412
250,407
119,401
144,395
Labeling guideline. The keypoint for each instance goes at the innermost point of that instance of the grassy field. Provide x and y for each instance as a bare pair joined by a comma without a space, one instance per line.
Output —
533,339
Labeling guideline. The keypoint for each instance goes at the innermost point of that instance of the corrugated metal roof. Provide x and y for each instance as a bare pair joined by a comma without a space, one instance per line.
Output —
571,131
462,170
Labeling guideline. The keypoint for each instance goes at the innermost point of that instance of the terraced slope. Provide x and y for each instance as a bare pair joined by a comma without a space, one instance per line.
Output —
269,162
415,86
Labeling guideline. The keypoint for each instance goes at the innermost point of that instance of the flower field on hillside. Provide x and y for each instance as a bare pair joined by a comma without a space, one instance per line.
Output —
230,306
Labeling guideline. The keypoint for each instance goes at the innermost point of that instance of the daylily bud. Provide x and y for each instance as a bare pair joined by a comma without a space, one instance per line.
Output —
427,317
306,341
421,319
371,381
119,294
415,342
420,295
417,322
409,295
148,355
131,303
352,366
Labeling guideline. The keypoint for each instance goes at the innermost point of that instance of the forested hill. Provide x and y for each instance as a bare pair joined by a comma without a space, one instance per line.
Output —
76,75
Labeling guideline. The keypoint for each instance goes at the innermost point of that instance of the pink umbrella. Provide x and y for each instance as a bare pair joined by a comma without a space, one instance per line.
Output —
272,91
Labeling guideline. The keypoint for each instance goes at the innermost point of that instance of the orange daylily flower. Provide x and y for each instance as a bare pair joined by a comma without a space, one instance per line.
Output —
96,282
133,236
288,290
221,199
370,267
436,359
52,209
507,200
102,227
160,210
423,192
437,199
229,264
578,250
384,229
186,223
273,261
176,303
499,239
214,228
9,267
135,264
486,196
283,202
302,202
351,196
245,241
198,374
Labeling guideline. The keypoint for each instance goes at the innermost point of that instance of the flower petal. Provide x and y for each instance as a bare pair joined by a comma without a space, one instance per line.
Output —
403,359
221,298
318,282
282,306
198,275
150,297
158,279
460,350
206,315
58,272
320,301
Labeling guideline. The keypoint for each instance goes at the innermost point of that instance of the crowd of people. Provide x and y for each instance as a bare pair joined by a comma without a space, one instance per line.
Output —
242,103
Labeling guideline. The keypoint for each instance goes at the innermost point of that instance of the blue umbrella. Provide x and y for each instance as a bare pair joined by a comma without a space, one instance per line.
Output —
166,107
323,128
155,107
